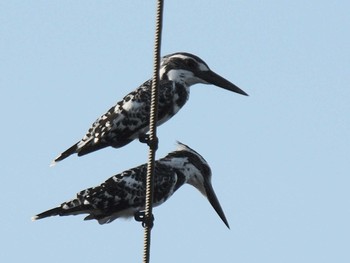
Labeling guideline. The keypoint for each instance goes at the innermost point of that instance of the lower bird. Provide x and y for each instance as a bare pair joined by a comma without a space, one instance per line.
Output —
129,118
123,195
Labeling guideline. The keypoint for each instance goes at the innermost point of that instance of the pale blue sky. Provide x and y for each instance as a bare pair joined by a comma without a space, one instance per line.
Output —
280,157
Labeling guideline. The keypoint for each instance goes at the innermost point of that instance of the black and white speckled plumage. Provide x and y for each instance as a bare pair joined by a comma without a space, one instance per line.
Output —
129,118
124,194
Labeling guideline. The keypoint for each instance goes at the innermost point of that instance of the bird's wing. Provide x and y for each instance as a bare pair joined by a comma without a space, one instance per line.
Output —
119,196
120,124
129,118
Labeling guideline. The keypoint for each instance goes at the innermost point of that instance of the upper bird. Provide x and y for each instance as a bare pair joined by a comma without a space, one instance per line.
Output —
123,194
129,118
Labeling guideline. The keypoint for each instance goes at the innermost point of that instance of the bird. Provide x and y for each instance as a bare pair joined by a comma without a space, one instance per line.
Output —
123,195
129,118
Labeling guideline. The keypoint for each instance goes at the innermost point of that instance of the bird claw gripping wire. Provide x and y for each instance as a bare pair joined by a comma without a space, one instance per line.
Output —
145,138
140,216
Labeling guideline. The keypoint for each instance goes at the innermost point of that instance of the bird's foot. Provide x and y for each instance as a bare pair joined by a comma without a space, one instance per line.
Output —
145,138
147,221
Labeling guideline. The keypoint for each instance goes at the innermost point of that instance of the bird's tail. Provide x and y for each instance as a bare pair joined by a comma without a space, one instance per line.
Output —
72,207
52,212
65,154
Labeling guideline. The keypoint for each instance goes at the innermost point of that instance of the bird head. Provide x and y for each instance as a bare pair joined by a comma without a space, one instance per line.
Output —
189,69
198,174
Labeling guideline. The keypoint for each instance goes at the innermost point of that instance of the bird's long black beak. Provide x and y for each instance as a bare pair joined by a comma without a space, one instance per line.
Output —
215,79
213,200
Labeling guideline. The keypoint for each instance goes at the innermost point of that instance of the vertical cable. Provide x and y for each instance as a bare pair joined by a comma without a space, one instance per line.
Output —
153,141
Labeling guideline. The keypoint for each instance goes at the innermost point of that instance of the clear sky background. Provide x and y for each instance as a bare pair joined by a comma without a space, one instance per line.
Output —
280,157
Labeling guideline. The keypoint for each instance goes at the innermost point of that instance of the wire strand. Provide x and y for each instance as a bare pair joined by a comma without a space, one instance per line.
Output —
153,141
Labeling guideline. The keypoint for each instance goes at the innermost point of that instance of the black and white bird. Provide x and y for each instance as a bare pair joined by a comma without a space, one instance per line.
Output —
123,194
129,118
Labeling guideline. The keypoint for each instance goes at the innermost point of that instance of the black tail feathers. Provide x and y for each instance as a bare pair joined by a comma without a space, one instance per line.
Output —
52,212
65,154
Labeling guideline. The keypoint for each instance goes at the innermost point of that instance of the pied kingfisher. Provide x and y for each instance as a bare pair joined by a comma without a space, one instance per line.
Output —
123,194
129,118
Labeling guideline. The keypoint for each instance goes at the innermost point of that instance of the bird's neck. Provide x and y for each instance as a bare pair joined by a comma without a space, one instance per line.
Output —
176,75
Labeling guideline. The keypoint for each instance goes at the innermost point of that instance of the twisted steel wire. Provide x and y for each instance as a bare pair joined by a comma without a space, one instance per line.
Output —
153,141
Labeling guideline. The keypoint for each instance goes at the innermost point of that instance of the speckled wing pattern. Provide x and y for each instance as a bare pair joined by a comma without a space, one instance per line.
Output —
130,117
121,195
120,124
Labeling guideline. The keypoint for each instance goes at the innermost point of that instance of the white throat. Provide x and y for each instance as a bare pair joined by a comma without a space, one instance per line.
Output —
184,77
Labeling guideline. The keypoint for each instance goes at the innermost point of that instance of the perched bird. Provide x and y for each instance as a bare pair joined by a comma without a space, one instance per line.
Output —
123,194
129,118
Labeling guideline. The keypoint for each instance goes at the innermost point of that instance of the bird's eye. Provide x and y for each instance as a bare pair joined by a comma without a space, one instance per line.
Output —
191,63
